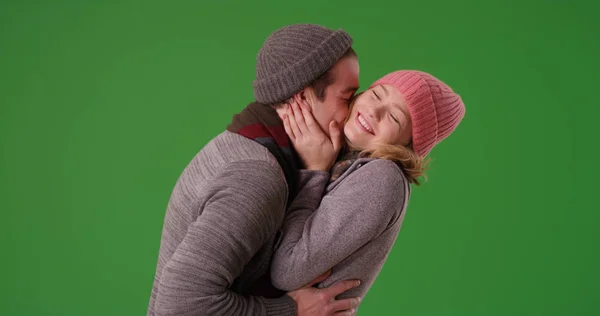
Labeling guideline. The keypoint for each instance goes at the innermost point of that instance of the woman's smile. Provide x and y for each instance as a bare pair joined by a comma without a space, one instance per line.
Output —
362,122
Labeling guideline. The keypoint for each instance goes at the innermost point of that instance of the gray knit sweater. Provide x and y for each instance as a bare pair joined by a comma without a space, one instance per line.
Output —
219,233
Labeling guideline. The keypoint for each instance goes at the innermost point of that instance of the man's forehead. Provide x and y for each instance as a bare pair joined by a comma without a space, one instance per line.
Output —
346,75
348,84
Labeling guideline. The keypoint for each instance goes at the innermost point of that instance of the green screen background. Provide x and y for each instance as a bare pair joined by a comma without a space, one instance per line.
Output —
103,104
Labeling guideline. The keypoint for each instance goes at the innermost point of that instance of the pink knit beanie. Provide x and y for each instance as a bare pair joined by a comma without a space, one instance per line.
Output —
434,108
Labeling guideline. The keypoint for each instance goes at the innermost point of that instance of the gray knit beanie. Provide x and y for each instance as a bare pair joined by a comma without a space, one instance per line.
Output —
293,57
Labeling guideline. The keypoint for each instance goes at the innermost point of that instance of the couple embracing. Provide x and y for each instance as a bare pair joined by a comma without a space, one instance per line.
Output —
294,208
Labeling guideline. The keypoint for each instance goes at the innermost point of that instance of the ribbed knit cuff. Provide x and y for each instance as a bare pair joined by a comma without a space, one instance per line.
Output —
283,306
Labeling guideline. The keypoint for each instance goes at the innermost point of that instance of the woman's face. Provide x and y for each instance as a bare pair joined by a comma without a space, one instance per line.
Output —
379,115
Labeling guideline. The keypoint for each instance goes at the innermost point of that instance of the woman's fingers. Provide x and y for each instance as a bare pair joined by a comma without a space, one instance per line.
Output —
298,115
293,123
311,124
336,136
288,128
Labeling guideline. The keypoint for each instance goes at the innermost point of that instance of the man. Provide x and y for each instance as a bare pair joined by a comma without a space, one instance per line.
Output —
227,207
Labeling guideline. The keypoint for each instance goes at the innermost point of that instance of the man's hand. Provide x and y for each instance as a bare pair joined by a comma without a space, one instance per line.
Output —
321,302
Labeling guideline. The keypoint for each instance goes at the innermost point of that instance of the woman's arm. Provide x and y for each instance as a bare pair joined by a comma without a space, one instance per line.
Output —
318,237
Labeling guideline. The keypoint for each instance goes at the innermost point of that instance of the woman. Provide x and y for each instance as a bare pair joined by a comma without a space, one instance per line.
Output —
391,127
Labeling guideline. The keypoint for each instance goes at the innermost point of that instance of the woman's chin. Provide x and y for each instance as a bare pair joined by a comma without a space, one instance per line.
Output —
353,140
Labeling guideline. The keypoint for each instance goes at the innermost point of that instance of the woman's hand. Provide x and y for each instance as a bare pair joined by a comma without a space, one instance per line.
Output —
317,150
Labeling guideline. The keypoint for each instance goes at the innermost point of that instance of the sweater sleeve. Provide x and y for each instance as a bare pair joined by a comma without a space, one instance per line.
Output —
317,236
245,209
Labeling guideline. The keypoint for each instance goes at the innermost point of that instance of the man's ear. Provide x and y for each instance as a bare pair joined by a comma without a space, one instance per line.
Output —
304,98
300,96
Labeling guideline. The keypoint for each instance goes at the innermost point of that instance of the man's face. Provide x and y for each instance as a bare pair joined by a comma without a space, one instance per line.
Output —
344,75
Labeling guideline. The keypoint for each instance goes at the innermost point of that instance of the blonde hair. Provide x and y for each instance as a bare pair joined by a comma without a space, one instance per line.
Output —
413,165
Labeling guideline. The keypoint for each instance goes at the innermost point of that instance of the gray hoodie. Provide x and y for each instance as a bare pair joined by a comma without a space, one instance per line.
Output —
350,230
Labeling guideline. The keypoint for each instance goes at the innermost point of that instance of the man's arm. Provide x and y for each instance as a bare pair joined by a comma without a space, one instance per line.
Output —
236,221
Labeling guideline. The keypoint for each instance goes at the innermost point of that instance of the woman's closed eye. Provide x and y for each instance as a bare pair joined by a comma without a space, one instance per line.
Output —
376,95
